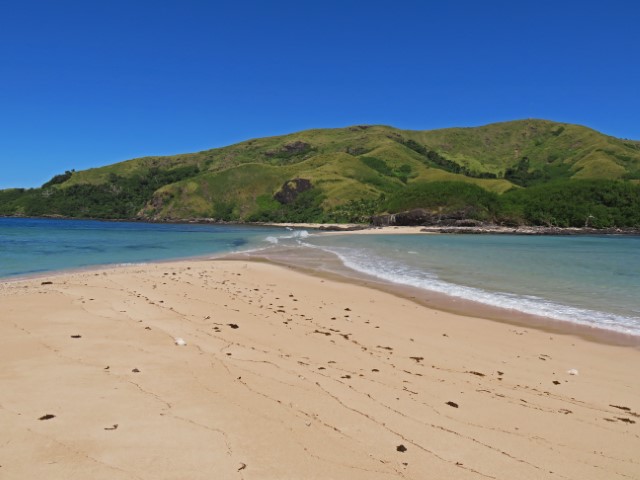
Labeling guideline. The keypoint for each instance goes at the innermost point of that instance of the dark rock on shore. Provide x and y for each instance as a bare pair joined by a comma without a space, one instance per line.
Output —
530,230
339,228
459,222
422,217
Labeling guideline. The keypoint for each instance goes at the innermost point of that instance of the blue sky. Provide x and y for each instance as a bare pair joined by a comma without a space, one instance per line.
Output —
85,84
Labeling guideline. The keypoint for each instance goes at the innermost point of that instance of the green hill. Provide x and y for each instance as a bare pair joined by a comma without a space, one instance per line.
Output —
332,174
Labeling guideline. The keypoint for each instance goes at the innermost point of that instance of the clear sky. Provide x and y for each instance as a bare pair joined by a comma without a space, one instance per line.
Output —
86,83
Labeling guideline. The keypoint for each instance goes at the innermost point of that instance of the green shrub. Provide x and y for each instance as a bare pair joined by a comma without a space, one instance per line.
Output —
574,203
445,197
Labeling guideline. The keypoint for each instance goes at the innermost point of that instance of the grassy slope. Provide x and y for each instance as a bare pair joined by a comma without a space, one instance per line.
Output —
333,161
234,180
498,146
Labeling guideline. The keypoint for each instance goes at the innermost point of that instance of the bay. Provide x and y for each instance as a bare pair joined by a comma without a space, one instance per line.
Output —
31,246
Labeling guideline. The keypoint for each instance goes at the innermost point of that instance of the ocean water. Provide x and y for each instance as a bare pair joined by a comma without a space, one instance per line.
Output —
588,280
32,246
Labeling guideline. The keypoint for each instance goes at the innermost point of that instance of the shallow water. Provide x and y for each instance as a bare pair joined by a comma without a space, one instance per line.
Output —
31,246
588,280
591,280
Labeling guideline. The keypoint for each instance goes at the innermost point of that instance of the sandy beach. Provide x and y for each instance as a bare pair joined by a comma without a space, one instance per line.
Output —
286,375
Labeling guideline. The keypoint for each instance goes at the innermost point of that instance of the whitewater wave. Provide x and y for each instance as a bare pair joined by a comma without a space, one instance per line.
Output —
294,235
398,273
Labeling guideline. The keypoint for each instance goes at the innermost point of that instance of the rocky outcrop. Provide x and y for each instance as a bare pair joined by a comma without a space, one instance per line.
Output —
291,189
529,230
290,149
153,209
422,217
342,228
459,222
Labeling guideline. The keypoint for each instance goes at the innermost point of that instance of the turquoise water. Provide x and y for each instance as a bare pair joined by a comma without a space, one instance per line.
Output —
31,246
590,280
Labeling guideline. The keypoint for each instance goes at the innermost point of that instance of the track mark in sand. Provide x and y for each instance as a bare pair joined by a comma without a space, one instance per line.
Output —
151,394
86,455
450,431
316,418
224,434
386,463
400,435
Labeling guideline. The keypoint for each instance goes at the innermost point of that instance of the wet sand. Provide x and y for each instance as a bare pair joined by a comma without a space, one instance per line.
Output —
315,261
290,375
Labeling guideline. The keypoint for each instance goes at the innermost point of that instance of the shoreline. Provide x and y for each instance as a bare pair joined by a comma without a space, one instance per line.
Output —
362,228
329,267
291,375
337,271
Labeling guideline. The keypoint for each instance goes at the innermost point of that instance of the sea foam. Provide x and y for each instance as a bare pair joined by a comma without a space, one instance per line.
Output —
398,273
293,235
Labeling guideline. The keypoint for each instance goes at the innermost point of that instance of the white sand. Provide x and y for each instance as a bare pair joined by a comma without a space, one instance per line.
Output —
320,379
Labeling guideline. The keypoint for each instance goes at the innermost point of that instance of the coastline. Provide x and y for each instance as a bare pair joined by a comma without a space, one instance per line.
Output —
327,266
369,228
289,375
440,300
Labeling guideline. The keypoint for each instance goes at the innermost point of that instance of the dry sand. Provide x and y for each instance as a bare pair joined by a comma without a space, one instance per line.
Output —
292,376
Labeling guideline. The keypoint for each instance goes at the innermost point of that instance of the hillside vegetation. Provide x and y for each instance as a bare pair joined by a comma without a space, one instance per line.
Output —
510,170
